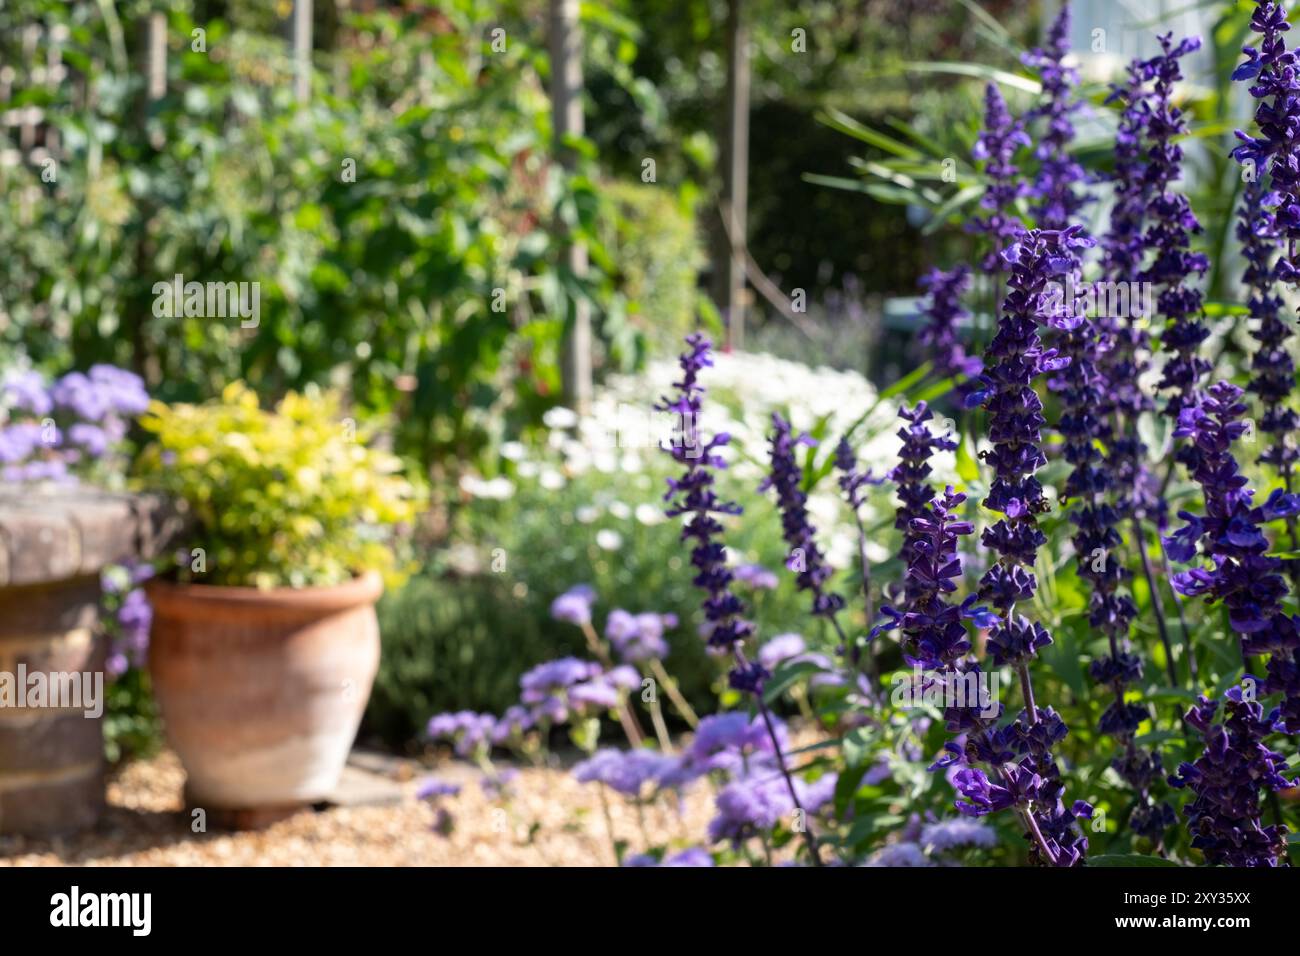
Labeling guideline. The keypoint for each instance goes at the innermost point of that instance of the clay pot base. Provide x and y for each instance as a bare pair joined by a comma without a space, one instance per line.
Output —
247,818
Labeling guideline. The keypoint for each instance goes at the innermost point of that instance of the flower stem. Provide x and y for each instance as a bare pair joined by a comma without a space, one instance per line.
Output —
669,685
1027,689
1178,607
1157,602
631,726
661,729
609,822
785,770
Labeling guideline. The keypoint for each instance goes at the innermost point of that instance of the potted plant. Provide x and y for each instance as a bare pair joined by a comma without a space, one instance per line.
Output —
264,641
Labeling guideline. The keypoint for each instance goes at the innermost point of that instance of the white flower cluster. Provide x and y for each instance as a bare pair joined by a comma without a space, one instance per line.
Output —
622,437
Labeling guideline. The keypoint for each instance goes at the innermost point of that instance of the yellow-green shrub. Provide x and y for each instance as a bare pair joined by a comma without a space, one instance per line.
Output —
290,497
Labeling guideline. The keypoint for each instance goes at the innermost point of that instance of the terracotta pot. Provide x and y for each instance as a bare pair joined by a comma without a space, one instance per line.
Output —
262,692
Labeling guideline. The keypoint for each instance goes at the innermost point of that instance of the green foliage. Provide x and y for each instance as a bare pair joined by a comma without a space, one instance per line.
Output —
456,643
399,227
132,727
650,237
292,497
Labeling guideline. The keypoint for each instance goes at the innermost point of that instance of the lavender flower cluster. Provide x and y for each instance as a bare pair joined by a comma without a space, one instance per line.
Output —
53,432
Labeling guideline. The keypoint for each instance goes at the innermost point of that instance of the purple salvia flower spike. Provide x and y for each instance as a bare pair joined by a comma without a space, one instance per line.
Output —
999,141
1085,430
1013,360
1059,173
944,313
1173,224
692,494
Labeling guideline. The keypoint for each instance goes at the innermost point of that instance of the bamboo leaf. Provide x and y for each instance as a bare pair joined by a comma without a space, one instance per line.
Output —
979,72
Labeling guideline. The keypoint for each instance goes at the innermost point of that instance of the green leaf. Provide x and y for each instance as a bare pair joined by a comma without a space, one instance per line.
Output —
979,71
866,826
939,218
968,467
906,382
786,676
846,124
836,182
858,747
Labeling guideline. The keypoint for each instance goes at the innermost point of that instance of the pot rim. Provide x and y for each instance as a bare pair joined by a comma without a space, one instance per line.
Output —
363,589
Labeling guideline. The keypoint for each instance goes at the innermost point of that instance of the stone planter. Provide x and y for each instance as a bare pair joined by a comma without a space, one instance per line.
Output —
53,546
262,692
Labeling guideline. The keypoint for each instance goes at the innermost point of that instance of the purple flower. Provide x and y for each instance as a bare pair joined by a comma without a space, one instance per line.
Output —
513,723
1084,431
756,576
467,730
124,391
20,440
730,741
551,677
638,637
128,615
597,694
1172,225
1230,535
749,806
91,438
1014,359
1272,68
1123,346
780,648
933,633
430,788
1274,371
944,313
691,856
997,145
25,391
692,495
948,834
910,476
1058,173
852,480
76,393
1226,781
806,558
903,853
625,771
574,605
83,417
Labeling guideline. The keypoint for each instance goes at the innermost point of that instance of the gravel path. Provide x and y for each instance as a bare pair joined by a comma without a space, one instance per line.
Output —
145,825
